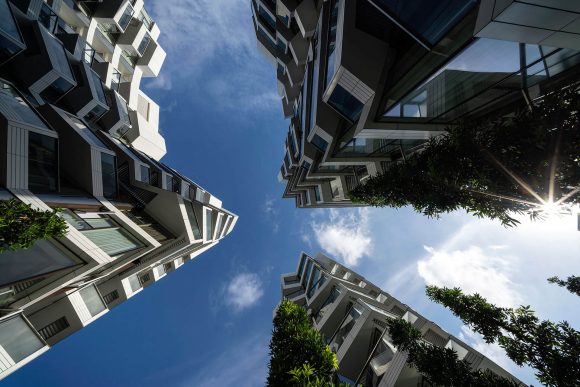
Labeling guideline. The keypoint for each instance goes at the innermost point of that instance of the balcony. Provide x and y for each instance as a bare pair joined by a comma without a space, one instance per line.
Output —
306,17
144,132
135,39
11,42
151,60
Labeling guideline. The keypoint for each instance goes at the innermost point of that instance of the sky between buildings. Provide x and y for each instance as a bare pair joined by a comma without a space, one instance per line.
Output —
208,324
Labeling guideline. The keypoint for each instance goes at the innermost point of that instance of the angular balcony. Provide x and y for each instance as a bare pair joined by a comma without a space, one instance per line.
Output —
44,67
91,154
136,38
20,343
152,59
306,17
116,13
299,47
87,99
116,120
144,132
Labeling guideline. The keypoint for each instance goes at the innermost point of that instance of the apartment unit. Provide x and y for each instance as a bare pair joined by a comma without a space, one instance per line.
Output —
351,314
77,133
365,83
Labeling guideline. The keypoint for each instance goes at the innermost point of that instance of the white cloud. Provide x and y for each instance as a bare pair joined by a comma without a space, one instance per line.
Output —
474,271
271,213
345,235
244,291
211,46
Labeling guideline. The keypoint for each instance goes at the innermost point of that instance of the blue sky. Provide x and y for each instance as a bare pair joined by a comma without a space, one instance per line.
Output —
208,324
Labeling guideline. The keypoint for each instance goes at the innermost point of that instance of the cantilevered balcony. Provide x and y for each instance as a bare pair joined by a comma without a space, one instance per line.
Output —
151,60
11,42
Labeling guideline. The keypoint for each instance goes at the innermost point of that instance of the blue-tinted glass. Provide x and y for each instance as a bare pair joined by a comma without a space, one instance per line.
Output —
56,90
319,142
193,221
7,22
269,21
302,260
109,174
144,43
11,102
308,264
345,103
331,43
428,19
145,174
126,17
57,54
98,87
314,282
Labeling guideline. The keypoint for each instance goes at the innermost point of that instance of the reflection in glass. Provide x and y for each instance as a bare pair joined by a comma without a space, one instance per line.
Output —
333,296
345,328
345,103
92,300
18,339
330,56
109,175
42,163
207,230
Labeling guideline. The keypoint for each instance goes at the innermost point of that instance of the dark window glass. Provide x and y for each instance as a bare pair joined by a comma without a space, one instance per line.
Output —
314,86
144,43
319,142
42,163
317,193
55,90
302,260
57,54
145,174
331,42
345,103
7,22
268,21
308,267
98,87
11,102
109,170
427,19
193,221
168,182
126,17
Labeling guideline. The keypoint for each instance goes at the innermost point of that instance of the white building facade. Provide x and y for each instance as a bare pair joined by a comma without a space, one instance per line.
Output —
351,314
78,134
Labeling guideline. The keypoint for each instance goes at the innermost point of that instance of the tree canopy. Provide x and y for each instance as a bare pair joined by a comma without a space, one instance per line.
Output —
572,283
492,169
552,349
440,366
294,344
21,225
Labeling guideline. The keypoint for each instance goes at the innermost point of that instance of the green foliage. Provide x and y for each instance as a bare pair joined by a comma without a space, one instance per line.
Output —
440,366
572,283
294,344
305,377
552,349
467,167
21,225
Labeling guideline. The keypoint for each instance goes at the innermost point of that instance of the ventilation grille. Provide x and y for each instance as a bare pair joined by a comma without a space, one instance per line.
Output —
53,328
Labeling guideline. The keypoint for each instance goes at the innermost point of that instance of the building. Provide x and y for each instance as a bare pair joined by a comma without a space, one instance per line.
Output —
351,314
365,83
77,133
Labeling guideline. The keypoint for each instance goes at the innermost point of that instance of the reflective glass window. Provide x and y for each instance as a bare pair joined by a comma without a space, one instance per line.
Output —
345,103
126,16
42,163
144,43
330,55
145,174
208,223
314,86
13,105
92,300
319,142
427,19
346,327
109,174
7,22
18,339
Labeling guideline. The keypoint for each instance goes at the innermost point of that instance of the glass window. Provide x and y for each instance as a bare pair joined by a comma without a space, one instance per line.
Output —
7,22
219,224
333,296
109,174
427,19
57,54
92,300
314,282
55,90
193,221
18,339
314,87
319,142
301,266
207,230
346,327
144,43
85,132
42,258
145,174
98,87
113,241
168,182
13,105
330,56
307,272
304,102
268,21
134,282
317,193
345,103
126,16
42,163
494,72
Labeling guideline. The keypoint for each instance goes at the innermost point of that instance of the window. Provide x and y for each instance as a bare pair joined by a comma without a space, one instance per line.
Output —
319,143
426,19
317,193
145,174
208,222
307,272
134,283
345,103
346,327
330,56
10,39
193,220
103,231
54,328
109,174
18,339
126,17
268,21
167,267
314,283
11,101
168,182
110,297
42,163
144,43
314,86
334,294
301,266
92,300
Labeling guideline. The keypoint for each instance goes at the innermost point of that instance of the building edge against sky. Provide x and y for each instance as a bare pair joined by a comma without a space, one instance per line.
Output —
78,133
365,83
351,314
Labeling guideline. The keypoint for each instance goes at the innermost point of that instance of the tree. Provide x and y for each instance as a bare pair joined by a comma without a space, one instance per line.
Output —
440,366
305,377
296,343
572,283
552,349
492,169
21,225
